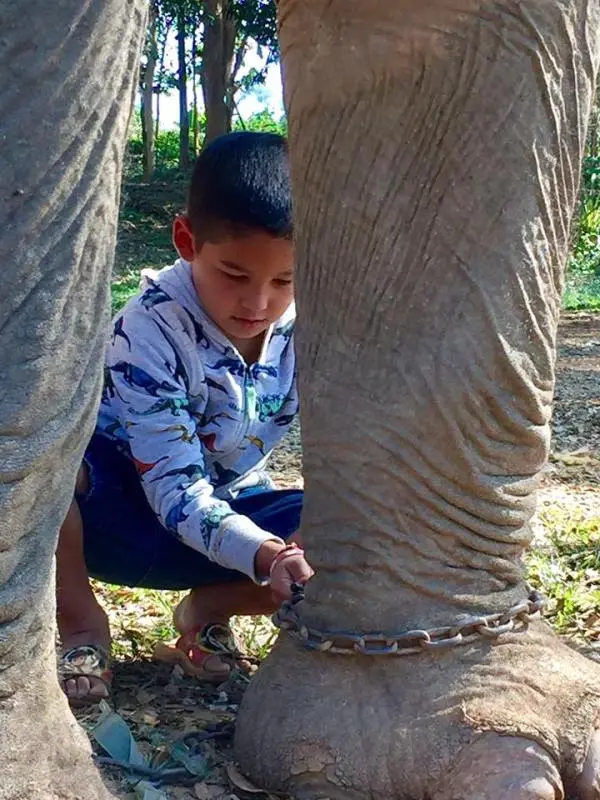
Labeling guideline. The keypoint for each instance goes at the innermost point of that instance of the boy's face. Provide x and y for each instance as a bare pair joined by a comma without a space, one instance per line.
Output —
245,284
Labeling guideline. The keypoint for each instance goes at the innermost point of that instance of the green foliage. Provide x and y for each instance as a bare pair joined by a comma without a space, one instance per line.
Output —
582,292
583,271
166,146
263,121
585,256
167,143
167,149
257,20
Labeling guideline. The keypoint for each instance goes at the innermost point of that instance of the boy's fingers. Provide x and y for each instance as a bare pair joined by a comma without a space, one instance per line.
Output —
301,570
293,570
297,569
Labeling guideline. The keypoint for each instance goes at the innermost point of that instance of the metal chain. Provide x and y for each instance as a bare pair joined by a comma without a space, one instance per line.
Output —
468,630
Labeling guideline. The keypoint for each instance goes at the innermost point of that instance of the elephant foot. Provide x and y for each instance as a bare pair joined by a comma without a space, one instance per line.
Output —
507,767
514,720
44,754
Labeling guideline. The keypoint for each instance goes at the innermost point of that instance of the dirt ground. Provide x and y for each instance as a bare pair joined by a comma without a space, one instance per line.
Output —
572,476
160,705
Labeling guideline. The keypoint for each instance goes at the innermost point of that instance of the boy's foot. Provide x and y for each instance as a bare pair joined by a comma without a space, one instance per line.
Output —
198,657
84,668
206,649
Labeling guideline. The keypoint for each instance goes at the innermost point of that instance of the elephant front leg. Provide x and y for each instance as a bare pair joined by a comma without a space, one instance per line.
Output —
69,70
435,150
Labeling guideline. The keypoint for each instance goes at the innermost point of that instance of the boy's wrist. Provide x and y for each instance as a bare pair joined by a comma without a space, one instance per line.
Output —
265,555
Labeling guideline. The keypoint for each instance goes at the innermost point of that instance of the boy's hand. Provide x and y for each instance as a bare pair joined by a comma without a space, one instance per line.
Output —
287,565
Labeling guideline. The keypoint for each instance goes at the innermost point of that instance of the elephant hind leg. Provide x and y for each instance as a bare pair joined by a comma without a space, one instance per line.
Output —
495,767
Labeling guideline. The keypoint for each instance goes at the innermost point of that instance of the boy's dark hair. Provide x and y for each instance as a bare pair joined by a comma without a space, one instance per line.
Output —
240,184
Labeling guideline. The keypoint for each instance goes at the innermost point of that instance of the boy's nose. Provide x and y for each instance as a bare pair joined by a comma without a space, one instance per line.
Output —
257,302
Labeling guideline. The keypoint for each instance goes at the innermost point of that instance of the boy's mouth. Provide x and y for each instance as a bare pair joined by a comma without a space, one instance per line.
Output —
250,321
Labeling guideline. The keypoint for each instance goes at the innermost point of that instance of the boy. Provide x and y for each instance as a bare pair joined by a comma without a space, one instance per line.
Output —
199,387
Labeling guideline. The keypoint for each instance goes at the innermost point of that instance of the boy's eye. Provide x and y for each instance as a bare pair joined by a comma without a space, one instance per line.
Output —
282,281
234,277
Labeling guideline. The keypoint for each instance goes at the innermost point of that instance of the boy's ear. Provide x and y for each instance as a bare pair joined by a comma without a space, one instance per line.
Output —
183,238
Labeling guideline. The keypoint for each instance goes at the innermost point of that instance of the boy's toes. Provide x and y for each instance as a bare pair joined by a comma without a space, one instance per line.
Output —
216,667
85,674
98,690
81,690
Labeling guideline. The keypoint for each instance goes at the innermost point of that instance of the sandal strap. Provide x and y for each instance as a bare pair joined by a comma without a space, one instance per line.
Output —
217,638
85,660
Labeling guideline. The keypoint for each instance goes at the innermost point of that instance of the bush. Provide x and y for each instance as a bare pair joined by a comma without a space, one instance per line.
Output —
166,147
166,144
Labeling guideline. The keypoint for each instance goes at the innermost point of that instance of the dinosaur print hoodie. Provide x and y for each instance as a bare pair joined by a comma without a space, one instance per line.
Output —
197,421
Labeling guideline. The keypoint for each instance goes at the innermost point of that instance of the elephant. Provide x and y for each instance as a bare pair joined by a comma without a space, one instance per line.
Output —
435,150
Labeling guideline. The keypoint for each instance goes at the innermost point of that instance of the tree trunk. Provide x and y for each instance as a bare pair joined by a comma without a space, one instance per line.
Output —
147,95
157,116
69,73
161,71
230,102
184,117
218,51
194,93
435,152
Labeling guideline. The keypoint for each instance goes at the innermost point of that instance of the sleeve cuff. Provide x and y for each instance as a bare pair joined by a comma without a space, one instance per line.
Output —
238,542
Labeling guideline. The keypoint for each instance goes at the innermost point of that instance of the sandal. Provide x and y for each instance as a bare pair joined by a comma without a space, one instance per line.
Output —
194,650
86,661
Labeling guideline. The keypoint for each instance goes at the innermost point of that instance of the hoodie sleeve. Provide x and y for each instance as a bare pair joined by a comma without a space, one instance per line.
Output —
151,380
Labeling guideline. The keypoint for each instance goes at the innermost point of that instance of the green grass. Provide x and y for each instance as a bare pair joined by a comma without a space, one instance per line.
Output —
567,570
144,240
123,287
144,236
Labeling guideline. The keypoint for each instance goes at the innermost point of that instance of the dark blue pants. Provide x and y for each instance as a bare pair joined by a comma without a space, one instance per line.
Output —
125,544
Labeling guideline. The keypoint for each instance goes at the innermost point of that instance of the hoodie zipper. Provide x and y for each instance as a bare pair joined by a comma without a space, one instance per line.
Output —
250,387
249,403
249,398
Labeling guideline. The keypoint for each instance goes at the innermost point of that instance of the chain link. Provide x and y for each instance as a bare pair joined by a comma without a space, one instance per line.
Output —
468,630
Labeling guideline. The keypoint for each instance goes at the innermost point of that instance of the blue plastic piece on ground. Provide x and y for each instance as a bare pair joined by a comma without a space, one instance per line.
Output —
145,791
113,736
